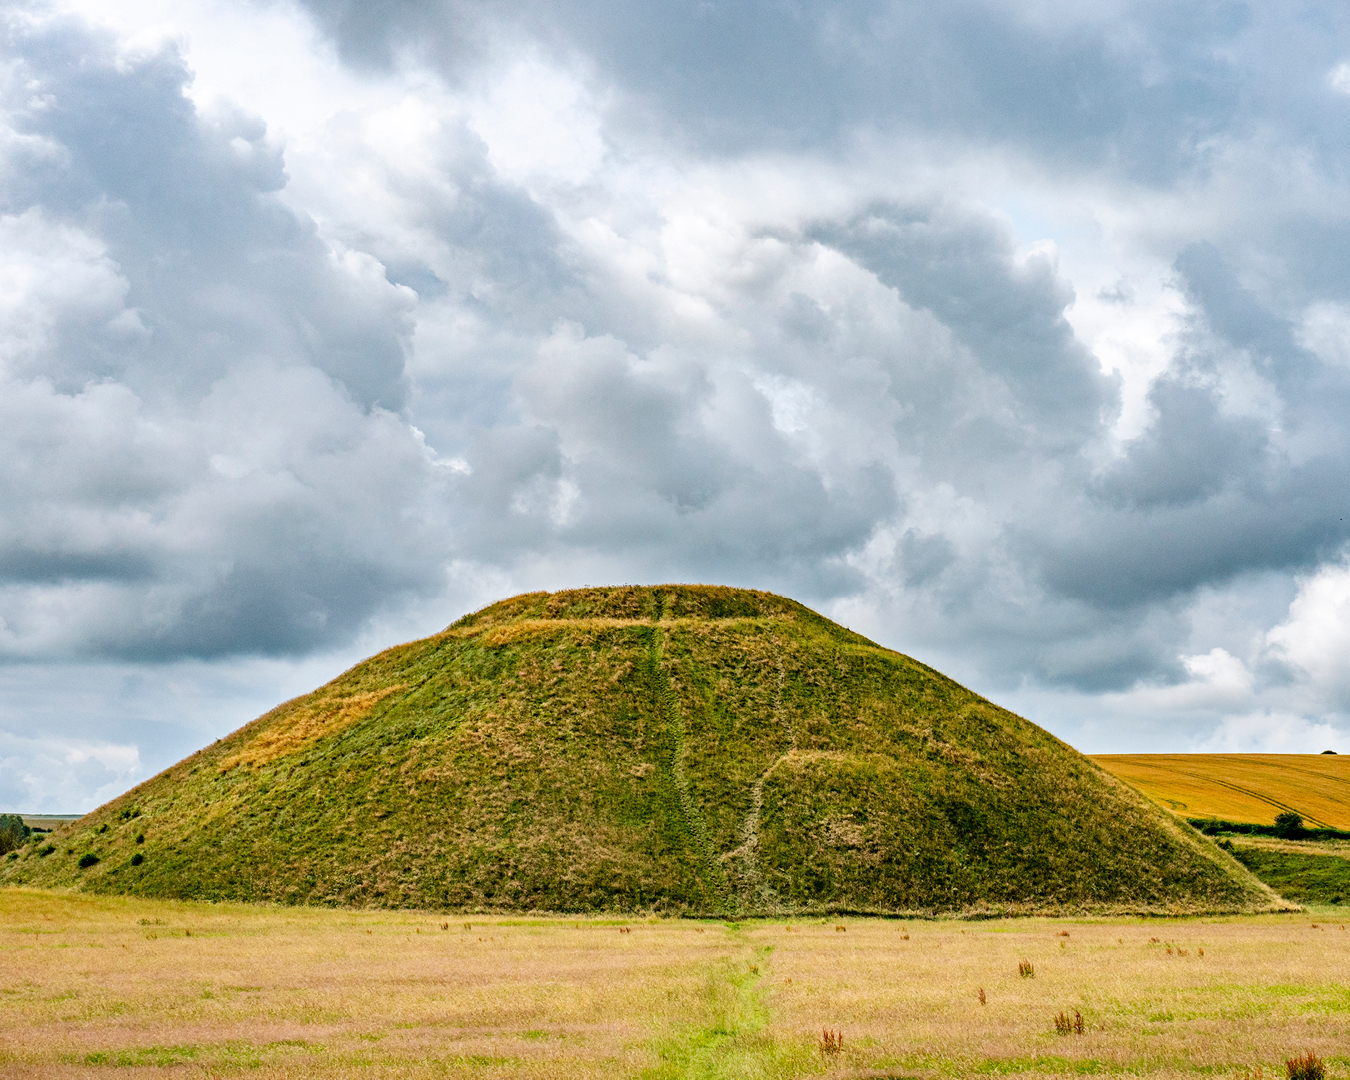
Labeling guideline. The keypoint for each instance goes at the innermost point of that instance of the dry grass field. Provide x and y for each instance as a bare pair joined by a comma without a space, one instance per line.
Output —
1242,787
100,985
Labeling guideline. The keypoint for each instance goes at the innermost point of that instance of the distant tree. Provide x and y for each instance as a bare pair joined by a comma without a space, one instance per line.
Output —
1289,825
13,833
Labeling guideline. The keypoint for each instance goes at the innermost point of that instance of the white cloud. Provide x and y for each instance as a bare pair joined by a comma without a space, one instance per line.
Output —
539,123
1273,733
1325,330
1315,637
58,775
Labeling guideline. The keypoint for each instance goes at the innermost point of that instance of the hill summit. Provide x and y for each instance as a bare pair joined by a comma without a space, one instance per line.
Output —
680,748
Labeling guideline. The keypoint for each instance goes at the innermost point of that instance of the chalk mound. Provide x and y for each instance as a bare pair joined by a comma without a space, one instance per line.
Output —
679,748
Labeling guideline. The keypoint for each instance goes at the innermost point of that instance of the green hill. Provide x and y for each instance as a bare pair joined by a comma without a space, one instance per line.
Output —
678,748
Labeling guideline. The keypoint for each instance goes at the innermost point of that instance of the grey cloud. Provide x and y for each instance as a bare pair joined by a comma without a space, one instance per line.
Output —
924,557
33,565
1237,316
1011,318
1190,452
1207,494
1123,560
621,460
1141,88
197,456
630,419
215,269
207,446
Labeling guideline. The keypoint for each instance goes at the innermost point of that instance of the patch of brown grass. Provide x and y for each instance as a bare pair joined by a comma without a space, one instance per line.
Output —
1307,1066
305,722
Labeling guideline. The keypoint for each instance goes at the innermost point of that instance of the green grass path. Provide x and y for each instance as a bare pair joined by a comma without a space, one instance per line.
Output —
729,1039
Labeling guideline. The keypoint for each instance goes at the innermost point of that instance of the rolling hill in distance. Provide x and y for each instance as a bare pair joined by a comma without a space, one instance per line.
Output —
1242,787
682,749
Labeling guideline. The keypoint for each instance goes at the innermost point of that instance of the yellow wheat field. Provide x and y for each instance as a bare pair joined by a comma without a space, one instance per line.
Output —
100,986
1242,787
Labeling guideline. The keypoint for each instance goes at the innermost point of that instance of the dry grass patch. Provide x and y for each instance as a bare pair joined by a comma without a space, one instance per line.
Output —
96,983
1136,996
300,723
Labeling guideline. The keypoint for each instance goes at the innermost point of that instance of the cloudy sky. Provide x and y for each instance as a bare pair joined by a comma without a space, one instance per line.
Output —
1015,335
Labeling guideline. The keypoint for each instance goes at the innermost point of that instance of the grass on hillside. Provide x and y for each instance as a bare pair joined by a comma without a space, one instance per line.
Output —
89,983
1242,787
685,749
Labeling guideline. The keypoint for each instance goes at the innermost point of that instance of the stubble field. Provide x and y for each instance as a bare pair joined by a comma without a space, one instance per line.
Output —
1242,787
107,985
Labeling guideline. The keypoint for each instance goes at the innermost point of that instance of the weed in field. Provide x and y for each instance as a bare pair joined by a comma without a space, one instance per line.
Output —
1062,933
832,1042
1307,1066
1064,1025
1025,969
137,859
840,929
982,1000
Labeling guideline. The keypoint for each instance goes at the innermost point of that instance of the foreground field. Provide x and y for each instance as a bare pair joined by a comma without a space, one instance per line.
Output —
91,983
1242,787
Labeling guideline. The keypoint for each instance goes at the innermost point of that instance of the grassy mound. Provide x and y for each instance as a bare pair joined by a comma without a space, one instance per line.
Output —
681,748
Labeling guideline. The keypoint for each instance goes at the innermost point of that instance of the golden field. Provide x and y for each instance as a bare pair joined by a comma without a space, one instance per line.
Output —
91,984
1242,787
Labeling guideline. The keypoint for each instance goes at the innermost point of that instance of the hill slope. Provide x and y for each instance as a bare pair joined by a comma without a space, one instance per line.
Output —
1242,787
685,748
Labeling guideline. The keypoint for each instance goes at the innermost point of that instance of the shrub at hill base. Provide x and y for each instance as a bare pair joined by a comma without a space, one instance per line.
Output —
13,833
678,748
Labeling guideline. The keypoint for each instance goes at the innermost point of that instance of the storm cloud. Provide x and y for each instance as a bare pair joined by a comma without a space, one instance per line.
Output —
1016,336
